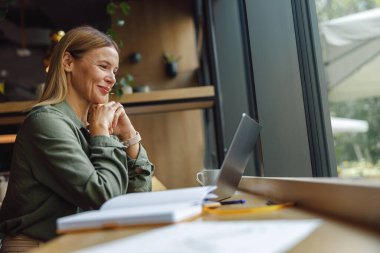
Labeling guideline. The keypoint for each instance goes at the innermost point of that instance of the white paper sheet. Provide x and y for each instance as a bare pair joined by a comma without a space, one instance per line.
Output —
215,237
182,195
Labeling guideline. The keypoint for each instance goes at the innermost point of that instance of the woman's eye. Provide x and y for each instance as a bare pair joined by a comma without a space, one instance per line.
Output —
103,66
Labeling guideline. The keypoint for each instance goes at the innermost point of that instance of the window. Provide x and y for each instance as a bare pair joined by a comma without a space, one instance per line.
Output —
350,43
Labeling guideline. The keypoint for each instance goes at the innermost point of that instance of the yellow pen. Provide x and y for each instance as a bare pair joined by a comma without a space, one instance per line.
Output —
251,210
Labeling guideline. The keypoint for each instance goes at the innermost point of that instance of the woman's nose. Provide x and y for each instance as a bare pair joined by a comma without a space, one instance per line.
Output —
111,78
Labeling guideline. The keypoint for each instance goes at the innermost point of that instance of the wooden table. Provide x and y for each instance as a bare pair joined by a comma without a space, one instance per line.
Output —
333,235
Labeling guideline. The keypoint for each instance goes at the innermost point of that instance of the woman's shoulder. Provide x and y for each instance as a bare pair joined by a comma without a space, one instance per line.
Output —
46,119
46,116
43,111
53,116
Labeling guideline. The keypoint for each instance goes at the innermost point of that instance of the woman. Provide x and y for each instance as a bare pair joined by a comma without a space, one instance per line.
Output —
75,150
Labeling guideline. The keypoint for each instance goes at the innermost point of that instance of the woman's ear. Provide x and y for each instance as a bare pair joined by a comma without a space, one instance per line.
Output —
67,62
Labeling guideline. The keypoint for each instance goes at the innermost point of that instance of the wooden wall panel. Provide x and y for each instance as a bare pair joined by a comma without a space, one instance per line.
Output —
175,140
156,27
175,144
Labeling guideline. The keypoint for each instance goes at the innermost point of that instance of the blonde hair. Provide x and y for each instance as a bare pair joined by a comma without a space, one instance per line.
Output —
77,42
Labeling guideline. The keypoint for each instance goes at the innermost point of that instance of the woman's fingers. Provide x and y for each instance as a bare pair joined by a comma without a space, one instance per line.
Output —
119,111
103,113
113,115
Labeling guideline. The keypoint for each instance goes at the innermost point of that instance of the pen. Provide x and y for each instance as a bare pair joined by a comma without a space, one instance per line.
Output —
230,202
211,204
251,210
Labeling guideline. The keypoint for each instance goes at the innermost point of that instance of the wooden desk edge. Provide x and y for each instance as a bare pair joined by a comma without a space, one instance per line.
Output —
354,201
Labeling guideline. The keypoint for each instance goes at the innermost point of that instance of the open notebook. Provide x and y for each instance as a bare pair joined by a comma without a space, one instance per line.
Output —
162,207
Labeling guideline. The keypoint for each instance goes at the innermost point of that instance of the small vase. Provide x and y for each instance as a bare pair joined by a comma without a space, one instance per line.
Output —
171,69
127,89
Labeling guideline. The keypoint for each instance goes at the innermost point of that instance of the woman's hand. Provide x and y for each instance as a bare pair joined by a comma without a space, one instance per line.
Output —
111,118
100,118
121,124
123,128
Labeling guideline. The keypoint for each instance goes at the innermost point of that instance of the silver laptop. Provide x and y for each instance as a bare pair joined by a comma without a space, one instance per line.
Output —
237,157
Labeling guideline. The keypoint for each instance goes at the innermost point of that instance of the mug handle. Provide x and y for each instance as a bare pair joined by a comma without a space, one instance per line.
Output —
200,178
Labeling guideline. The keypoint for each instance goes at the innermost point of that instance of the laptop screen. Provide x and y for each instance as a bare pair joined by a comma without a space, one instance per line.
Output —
237,157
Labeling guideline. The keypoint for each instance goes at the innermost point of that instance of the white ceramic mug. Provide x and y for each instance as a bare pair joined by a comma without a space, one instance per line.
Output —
208,177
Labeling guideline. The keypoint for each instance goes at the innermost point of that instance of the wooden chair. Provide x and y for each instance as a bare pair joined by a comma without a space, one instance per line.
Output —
157,185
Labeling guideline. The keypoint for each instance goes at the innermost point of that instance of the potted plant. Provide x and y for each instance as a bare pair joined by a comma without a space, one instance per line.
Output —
124,85
111,9
171,66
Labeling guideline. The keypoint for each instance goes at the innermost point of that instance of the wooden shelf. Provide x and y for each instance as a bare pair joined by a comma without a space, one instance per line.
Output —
7,138
136,103
168,95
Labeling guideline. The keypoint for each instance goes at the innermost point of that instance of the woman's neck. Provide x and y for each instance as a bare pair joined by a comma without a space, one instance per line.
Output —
80,107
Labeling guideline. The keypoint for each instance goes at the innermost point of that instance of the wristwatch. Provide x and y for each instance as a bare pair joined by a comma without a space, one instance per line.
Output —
135,139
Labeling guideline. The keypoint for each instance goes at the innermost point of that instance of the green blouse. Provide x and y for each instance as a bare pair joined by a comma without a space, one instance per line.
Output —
58,169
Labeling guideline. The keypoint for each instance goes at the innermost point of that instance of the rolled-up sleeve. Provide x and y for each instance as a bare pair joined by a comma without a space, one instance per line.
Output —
140,172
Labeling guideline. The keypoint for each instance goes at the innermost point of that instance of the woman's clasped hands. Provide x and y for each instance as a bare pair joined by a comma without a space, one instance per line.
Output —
110,119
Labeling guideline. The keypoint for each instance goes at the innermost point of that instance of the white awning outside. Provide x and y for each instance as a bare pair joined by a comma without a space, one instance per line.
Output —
351,53
344,125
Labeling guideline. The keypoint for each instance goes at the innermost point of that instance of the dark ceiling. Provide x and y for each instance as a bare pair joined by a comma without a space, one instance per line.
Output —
23,45
63,14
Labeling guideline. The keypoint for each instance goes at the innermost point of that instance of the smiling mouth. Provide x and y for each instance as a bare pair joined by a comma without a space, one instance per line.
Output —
104,90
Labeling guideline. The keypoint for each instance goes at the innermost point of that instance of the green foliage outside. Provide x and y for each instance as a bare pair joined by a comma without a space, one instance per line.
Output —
357,154
330,9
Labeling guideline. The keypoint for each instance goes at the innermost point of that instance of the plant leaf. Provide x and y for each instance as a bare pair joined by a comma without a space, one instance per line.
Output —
119,92
130,78
125,8
120,22
3,14
111,33
123,81
121,44
111,8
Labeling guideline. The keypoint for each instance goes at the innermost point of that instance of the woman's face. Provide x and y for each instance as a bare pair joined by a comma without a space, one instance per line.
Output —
91,77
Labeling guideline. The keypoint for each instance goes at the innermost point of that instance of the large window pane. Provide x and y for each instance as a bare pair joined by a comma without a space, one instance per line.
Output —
350,40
